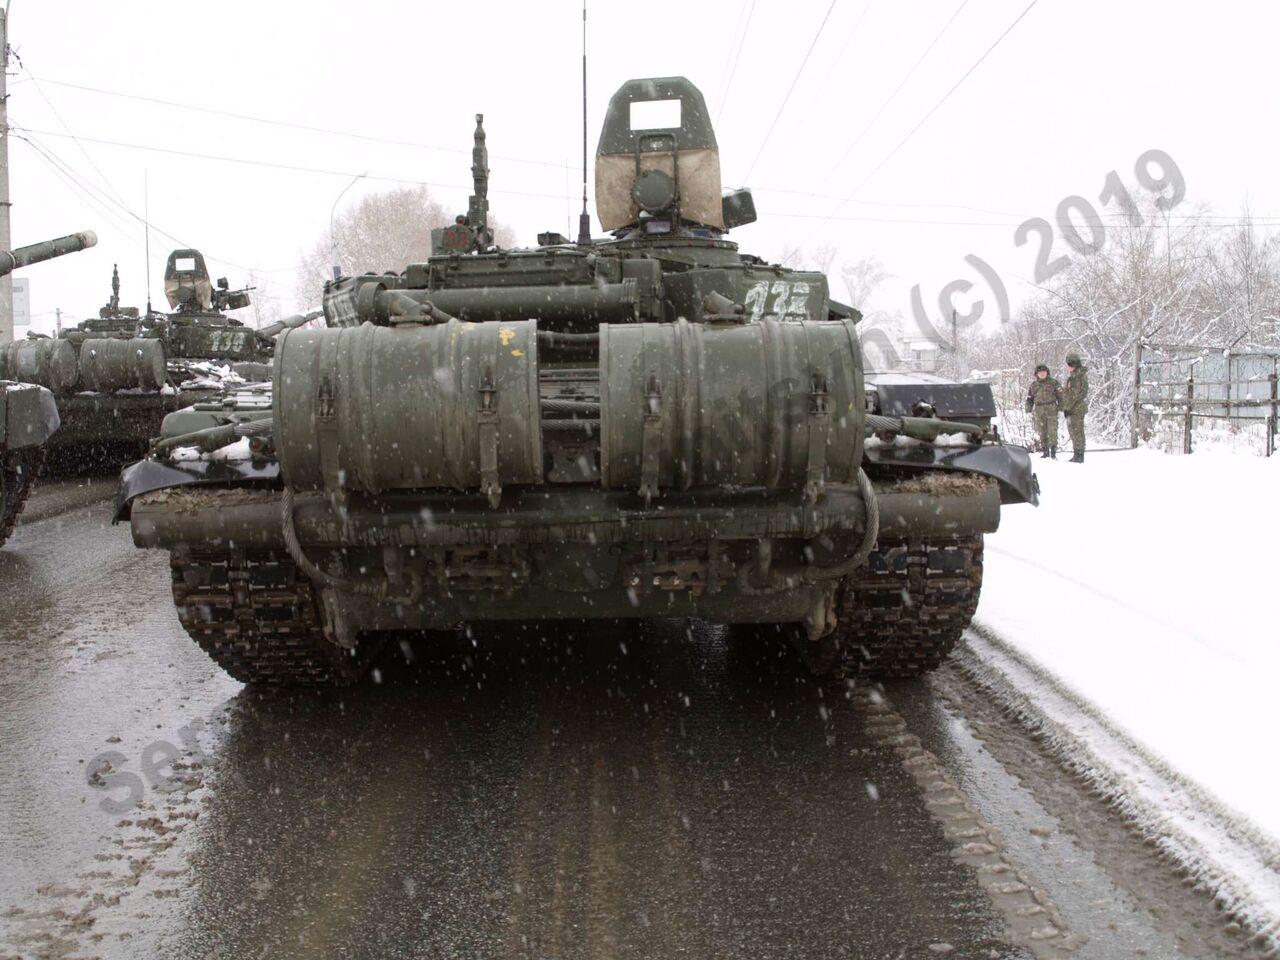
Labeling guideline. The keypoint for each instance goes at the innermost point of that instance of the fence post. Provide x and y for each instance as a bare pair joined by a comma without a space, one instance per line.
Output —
1272,423
1226,392
1191,397
1137,394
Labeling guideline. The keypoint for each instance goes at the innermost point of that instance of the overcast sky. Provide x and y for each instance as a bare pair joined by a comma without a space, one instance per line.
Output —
1076,89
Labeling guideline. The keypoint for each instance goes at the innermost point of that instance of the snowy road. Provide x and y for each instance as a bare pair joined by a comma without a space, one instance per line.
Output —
657,793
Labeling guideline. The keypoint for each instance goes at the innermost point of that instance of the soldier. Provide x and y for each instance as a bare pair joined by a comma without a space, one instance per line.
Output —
1075,404
1043,401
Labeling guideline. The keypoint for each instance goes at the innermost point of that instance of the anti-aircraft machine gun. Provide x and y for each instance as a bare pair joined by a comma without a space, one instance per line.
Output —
648,425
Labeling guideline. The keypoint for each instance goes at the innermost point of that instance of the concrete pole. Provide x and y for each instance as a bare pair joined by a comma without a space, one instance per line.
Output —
6,243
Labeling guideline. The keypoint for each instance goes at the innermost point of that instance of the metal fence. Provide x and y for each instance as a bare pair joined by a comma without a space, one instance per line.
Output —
1207,383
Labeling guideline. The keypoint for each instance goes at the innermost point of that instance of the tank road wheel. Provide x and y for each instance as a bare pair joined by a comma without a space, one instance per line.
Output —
256,615
18,471
903,611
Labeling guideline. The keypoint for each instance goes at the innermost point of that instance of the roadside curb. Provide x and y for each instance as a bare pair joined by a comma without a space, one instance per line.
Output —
1216,850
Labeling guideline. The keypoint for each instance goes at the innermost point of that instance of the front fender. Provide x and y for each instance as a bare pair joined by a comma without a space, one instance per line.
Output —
1006,463
148,475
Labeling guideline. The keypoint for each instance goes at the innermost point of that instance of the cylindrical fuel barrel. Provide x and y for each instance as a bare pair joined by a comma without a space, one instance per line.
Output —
49,363
107,365
374,408
766,404
20,257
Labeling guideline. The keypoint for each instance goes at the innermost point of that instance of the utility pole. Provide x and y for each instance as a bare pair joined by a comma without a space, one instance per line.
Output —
6,243
57,313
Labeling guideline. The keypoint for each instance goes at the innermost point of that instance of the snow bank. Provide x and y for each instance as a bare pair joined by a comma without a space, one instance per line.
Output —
1146,585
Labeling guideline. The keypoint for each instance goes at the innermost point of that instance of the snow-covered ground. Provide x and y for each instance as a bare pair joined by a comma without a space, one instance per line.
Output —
1147,586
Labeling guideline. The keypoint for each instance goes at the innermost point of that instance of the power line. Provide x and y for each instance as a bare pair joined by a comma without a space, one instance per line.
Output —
288,124
902,83
724,97
90,190
777,116
40,90
50,161
853,32
1209,220
284,166
932,110
888,203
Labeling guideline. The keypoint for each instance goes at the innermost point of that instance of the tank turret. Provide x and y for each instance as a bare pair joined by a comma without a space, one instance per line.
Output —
11,260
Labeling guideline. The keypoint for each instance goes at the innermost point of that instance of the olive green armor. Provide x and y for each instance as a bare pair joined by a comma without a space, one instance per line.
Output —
28,413
652,424
118,375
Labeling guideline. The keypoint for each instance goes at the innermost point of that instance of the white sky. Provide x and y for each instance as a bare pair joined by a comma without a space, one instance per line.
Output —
1078,88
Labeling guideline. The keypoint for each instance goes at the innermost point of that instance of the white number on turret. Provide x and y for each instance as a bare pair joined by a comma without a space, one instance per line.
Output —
790,301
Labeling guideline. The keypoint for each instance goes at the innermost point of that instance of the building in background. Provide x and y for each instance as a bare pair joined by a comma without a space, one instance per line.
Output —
920,354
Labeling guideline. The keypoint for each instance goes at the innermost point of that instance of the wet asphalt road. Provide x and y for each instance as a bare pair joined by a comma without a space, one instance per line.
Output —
656,792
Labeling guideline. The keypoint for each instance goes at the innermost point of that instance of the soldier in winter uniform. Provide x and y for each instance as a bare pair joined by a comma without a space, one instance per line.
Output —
1044,399
1075,404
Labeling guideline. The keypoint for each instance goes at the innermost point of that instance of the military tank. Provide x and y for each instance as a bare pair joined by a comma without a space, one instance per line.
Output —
652,424
28,414
118,375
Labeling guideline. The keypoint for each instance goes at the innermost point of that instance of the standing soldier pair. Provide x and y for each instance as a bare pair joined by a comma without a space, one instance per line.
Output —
1046,397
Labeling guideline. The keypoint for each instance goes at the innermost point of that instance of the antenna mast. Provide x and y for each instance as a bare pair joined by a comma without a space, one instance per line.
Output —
146,222
584,220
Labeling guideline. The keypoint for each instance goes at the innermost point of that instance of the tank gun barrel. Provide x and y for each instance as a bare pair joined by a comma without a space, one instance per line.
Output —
921,428
11,260
273,330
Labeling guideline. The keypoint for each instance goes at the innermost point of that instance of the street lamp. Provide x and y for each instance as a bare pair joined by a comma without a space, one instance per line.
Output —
333,239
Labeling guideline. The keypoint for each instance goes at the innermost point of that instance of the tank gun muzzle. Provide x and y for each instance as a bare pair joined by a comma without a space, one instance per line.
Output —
11,260
273,330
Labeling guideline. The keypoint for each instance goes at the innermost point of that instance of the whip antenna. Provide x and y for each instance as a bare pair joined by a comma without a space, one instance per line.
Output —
146,223
584,220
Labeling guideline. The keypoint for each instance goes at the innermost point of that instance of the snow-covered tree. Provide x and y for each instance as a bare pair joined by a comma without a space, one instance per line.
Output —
1173,279
384,231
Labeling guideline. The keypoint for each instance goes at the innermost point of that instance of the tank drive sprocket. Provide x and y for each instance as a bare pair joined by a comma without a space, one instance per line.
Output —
901,613
256,615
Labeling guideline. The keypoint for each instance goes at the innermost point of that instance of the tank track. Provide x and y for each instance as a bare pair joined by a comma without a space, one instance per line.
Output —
257,616
903,612
20,469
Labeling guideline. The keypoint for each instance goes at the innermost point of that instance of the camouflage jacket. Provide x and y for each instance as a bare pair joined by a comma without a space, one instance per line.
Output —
1075,395
1045,392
